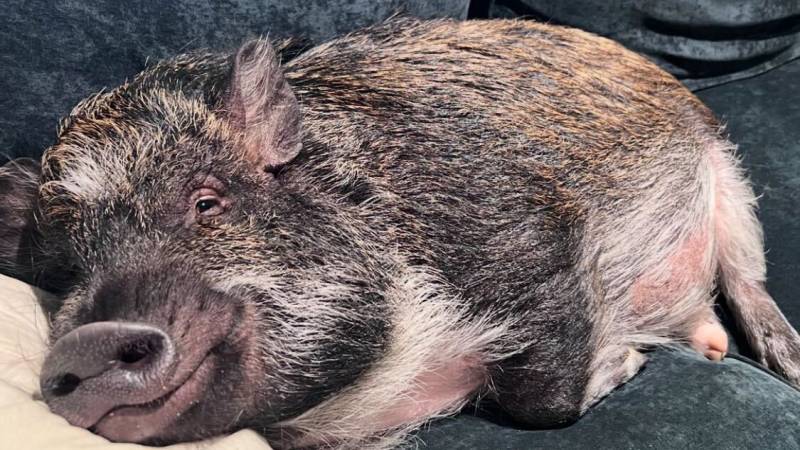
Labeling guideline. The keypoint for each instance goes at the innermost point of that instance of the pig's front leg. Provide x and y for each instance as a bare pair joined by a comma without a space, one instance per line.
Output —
546,385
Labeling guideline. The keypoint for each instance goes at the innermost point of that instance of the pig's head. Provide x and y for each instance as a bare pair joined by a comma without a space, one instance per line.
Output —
207,283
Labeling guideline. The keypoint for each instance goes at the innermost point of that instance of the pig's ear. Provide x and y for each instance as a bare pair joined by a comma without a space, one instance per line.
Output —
263,107
19,183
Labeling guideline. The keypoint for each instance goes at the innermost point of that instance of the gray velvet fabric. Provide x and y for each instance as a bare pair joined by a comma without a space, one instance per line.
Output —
54,53
702,42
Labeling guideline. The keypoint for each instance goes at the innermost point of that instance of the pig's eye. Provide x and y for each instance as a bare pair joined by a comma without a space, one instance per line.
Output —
208,202
208,206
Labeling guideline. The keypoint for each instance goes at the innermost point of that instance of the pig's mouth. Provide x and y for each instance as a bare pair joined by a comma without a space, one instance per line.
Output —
150,420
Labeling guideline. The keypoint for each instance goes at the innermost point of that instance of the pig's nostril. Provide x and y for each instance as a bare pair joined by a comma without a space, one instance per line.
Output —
62,385
137,351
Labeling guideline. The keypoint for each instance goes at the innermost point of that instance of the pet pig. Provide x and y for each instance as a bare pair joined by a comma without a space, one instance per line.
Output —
335,249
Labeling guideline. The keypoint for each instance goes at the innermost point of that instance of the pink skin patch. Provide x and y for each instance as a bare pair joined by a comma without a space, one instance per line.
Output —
434,391
684,269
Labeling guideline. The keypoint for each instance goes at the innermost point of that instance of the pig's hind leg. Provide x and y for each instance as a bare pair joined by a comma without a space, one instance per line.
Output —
725,247
671,300
719,244
673,303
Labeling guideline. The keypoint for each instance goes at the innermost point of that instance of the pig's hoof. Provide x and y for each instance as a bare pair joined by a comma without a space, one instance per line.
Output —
711,340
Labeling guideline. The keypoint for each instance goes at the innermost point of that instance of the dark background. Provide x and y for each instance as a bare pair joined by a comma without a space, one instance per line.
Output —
737,54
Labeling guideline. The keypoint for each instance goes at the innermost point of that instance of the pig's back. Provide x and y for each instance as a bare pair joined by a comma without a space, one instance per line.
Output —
501,140
516,91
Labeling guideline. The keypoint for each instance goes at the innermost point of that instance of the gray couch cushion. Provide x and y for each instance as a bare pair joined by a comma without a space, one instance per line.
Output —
702,42
53,54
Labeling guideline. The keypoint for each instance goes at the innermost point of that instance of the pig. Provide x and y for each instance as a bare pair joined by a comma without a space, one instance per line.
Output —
337,248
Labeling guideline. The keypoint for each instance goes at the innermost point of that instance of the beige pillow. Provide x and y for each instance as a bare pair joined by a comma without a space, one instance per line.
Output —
26,423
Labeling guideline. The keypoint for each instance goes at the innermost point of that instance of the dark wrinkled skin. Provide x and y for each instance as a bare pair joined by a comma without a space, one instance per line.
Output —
475,151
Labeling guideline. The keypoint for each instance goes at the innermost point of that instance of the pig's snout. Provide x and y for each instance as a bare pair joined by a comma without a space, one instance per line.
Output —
103,365
156,349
